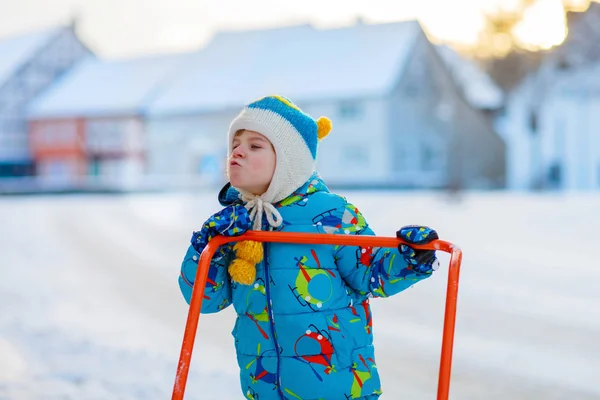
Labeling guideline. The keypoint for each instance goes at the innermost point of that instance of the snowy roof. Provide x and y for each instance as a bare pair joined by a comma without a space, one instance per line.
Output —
17,50
106,88
478,87
299,62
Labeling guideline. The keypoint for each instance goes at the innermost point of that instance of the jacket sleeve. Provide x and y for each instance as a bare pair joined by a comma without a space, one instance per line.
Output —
371,271
217,293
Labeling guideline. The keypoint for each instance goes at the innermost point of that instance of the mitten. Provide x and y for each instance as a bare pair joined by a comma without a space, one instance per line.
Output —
231,221
422,261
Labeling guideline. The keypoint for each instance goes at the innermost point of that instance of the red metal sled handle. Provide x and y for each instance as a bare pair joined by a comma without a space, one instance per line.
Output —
317,238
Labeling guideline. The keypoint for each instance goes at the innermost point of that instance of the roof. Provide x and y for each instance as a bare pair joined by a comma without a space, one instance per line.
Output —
477,86
17,50
581,44
106,88
299,62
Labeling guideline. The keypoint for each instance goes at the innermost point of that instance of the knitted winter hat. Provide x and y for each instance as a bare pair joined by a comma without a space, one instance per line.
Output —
295,136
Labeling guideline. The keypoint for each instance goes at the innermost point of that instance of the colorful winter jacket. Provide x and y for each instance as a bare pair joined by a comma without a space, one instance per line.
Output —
304,328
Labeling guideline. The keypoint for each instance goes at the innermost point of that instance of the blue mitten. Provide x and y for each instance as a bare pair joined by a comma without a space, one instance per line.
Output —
422,261
233,220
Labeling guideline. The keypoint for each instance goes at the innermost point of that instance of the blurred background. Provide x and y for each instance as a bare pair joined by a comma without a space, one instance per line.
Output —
480,118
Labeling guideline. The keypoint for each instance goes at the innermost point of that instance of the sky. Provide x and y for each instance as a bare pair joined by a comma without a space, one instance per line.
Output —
115,28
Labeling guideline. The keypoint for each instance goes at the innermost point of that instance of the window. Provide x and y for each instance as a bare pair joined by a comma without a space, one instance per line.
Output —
356,155
106,135
554,174
533,122
430,158
350,110
16,169
563,64
431,154
57,134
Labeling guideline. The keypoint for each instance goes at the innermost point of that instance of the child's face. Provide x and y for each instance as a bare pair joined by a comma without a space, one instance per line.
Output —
252,162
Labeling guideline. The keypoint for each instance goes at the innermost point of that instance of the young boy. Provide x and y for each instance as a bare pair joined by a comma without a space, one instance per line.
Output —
304,325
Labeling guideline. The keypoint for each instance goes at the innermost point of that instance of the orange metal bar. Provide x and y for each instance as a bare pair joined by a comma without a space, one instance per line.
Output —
317,238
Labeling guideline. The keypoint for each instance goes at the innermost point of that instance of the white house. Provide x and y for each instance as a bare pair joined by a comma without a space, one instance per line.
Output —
551,123
399,117
569,132
556,134
29,63
89,127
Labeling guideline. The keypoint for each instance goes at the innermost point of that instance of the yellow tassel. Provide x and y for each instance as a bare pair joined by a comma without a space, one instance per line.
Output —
323,127
242,271
243,268
249,250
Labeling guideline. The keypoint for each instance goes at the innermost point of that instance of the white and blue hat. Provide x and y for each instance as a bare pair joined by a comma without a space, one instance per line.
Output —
295,137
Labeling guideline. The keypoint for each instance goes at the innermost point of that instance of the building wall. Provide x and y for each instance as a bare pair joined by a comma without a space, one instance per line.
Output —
355,152
438,139
58,149
515,125
418,132
188,146
115,150
476,152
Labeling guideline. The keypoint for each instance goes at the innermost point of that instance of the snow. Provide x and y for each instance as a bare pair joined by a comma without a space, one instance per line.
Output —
111,87
303,62
12,365
17,50
91,309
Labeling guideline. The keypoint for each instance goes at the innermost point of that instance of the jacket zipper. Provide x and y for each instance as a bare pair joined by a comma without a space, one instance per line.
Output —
272,318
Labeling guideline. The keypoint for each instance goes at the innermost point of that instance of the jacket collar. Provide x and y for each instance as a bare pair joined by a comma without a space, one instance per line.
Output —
228,195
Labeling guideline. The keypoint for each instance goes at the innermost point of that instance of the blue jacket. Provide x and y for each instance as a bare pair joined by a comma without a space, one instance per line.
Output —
304,329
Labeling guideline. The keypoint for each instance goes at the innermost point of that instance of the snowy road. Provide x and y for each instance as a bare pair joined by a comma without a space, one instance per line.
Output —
90,307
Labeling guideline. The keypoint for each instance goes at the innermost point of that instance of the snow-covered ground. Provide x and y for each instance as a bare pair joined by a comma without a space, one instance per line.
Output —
90,307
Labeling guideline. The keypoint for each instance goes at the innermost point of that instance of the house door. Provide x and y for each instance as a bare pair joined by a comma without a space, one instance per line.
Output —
94,166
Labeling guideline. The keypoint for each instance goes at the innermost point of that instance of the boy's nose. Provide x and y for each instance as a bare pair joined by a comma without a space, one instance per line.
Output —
238,152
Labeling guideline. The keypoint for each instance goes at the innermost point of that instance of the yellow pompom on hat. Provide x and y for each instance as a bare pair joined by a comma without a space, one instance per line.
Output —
295,137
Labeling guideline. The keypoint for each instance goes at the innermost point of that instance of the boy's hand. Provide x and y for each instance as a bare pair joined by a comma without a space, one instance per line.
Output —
422,260
233,220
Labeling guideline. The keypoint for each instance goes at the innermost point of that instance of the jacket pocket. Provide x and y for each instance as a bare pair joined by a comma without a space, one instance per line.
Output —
350,329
